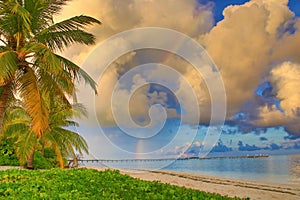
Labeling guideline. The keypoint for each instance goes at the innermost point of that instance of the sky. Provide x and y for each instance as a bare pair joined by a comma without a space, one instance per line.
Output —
155,102
219,6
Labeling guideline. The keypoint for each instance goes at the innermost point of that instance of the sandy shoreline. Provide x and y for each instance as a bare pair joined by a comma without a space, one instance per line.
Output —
223,186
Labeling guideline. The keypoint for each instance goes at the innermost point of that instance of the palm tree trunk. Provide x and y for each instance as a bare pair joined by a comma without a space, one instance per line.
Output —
30,160
43,149
59,157
75,160
4,98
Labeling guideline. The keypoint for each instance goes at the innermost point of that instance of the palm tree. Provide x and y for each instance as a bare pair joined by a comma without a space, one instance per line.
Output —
64,142
29,66
17,126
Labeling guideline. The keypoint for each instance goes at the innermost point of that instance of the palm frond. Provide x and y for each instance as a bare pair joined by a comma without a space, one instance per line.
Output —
23,13
58,82
63,116
8,66
24,145
39,21
73,23
55,85
79,110
54,6
15,116
78,72
60,118
63,34
16,125
49,67
27,84
42,52
59,40
66,137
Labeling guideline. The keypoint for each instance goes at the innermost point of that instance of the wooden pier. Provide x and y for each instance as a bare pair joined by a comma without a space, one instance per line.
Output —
166,159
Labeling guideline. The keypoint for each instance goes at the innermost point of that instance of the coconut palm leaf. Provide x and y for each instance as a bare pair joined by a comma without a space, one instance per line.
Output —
65,138
73,23
52,7
61,39
77,72
8,66
14,21
42,12
16,125
65,33
25,145
27,84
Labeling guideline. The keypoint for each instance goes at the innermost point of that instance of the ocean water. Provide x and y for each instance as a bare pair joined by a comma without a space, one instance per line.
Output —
274,169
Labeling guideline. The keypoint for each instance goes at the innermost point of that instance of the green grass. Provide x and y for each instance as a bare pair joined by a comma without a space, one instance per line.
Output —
88,184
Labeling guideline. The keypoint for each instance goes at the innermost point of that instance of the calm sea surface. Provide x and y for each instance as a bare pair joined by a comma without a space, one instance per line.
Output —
276,169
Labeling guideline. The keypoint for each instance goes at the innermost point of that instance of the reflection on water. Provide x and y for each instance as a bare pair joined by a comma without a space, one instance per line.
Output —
277,169
294,168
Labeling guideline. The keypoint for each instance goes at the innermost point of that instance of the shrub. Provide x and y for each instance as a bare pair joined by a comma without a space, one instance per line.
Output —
7,155
89,184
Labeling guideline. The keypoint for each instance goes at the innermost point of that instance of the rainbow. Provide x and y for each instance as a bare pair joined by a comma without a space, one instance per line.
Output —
140,148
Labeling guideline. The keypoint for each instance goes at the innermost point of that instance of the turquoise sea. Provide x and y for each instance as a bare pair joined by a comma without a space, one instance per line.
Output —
274,169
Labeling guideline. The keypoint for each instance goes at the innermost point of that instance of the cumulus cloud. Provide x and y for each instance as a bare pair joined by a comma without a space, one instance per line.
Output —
287,47
285,80
189,17
241,45
250,45
247,46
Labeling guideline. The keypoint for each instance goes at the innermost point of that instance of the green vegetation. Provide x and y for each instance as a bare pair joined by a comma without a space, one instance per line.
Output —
7,155
36,83
89,184
61,141
43,162
9,158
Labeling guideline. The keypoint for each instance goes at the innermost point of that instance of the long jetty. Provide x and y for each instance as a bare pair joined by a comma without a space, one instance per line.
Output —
166,159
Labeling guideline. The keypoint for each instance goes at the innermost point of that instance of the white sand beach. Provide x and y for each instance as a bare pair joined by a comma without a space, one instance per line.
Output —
223,186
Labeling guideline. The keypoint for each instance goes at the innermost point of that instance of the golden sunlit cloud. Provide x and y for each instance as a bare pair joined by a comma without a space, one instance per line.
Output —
250,46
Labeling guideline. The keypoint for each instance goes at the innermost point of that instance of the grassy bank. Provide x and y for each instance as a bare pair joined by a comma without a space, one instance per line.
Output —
88,184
